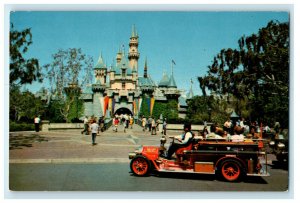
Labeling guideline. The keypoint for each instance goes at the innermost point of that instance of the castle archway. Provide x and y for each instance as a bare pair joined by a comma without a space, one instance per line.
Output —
123,110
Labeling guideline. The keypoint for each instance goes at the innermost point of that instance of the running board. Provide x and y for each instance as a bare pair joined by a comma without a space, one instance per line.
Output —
182,171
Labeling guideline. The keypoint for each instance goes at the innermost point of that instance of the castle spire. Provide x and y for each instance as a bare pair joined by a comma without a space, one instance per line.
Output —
133,31
145,69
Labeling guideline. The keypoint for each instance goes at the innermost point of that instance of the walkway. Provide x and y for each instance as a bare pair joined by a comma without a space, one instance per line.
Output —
72,146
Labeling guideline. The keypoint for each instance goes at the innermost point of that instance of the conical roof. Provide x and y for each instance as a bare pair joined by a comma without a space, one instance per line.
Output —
100,64
164,81
172,82
190,94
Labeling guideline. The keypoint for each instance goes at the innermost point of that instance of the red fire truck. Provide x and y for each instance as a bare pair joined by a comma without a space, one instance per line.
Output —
227,159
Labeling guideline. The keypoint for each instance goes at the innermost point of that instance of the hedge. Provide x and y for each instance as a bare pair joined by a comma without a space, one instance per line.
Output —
13,126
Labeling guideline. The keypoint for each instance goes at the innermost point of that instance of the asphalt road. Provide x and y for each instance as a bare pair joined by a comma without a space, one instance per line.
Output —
117,177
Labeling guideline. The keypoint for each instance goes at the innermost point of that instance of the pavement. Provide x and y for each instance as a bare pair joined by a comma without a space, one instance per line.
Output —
70,146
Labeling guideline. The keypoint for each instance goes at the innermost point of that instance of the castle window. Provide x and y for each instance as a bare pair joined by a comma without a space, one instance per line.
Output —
123,85
123,72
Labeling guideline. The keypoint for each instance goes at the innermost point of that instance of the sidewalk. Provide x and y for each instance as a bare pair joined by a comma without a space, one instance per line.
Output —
70,146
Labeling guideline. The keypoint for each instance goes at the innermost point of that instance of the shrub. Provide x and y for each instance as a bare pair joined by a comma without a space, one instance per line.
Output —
13,126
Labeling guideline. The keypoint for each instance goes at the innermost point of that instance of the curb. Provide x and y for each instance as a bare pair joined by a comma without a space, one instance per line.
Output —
71,160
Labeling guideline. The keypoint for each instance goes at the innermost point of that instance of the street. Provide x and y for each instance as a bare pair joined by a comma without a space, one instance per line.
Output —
117,177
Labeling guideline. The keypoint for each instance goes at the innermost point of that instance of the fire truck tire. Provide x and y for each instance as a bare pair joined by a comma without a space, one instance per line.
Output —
140,166
231,170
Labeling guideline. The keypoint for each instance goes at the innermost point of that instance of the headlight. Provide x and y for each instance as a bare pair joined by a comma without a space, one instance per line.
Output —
139,150
280,145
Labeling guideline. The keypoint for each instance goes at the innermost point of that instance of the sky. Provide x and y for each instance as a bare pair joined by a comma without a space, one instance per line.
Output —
190,38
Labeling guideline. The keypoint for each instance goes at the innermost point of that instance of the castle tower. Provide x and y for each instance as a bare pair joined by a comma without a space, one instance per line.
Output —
133,55
100,71
119,56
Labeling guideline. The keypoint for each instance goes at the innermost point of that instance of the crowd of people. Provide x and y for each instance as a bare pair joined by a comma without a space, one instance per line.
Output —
91,125
240,130
153,125
124,120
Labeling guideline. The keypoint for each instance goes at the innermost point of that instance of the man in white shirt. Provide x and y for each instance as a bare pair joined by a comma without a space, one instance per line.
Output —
181,140
94,130
37,121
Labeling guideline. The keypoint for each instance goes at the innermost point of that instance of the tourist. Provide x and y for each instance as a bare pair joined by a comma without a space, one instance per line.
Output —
101,123
144,121
116,123
153,127
149,123
164,131
94,129
37,121
86,126
131,121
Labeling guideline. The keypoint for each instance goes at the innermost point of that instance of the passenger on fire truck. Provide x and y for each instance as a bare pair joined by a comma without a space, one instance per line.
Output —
181,140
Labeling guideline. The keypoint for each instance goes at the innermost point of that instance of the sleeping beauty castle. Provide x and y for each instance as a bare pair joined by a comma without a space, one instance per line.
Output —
123,89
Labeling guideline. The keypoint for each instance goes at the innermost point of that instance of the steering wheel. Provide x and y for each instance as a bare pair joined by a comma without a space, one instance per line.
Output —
173,139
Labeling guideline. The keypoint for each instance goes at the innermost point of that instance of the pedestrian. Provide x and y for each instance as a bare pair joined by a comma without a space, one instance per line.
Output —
127,120
153,127
124,124
276,128
86,126
131,121
94,130
157,124
149,123
37,121
144,122
101,123
116,123
164,131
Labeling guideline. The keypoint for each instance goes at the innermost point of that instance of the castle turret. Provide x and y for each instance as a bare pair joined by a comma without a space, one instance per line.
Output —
133,54
100,71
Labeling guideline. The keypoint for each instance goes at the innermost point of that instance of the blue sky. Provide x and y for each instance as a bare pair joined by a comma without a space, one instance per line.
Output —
191,39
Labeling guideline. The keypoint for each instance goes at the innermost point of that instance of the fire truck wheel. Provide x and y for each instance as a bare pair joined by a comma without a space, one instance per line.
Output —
231,170
140,166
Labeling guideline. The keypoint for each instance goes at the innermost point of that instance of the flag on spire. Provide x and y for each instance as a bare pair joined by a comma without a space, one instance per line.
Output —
173,62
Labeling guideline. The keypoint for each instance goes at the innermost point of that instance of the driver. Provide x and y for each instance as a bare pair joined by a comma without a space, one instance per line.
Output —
181,140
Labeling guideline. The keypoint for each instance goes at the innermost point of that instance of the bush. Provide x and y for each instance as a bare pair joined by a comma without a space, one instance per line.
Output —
13,126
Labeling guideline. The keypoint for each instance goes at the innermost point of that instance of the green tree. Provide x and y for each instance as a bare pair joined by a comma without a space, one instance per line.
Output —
69,72
144,111
22,71
24,105
168,109
257,72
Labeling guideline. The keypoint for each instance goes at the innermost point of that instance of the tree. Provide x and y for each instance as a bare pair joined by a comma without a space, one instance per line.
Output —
69,72
22,71
257,72
24,105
